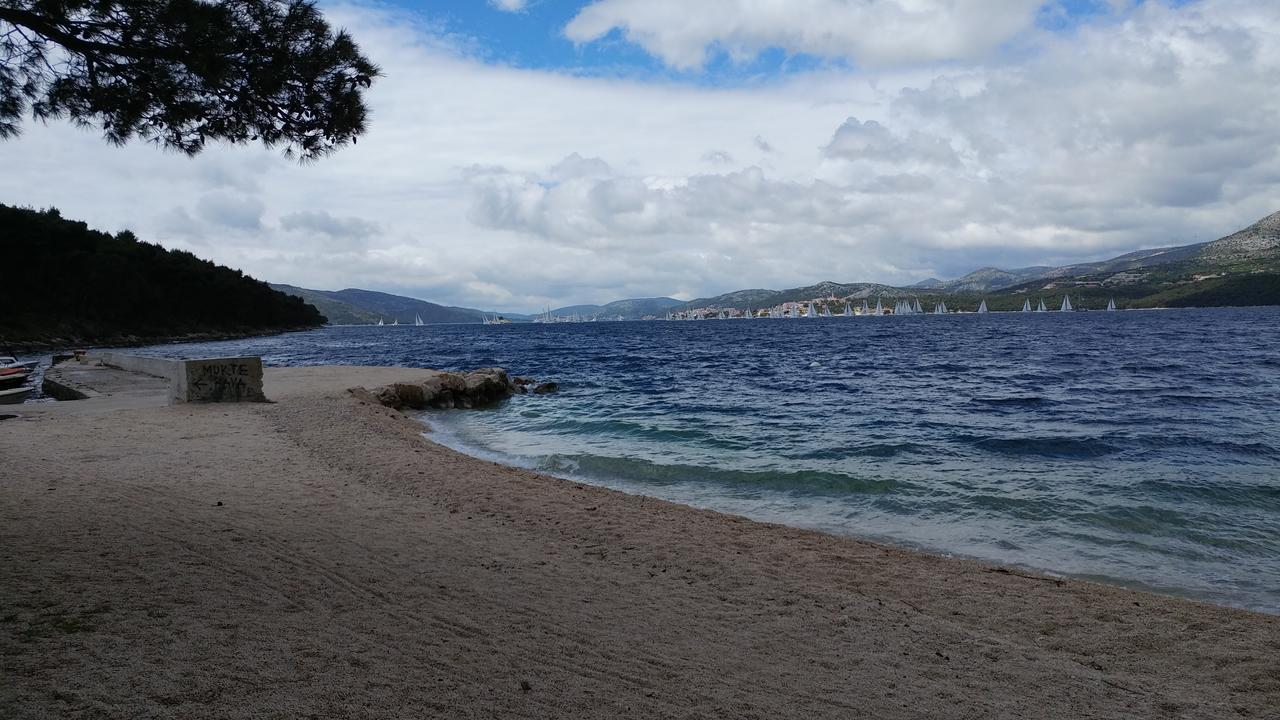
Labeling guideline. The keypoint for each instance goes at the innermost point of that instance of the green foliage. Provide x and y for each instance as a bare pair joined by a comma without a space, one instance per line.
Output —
182,72
63,280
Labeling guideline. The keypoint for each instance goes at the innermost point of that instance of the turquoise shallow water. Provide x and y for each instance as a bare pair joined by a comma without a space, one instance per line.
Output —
1141,448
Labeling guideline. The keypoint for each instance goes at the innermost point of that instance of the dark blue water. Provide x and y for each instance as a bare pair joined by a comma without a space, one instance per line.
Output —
1141,448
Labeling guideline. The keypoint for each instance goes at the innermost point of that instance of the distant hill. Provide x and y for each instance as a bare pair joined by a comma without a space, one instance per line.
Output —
66,284
364,307
633,309
337,312
1239,269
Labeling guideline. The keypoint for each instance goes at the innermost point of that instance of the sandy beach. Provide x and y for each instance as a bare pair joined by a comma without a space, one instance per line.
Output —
319,557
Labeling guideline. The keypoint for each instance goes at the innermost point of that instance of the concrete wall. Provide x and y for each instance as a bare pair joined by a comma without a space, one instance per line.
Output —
206,380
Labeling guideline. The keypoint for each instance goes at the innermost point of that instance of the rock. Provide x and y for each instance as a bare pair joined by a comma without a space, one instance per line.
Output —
444,390
521,381
546,387
410,395
487,386
387,396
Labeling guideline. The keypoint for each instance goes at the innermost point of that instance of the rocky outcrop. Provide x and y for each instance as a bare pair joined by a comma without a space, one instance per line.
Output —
443,390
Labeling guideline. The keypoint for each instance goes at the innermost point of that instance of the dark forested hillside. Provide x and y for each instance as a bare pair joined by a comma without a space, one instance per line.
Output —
64,283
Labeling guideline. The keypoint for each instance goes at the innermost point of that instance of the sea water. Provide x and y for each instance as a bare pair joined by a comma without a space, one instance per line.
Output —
1139,448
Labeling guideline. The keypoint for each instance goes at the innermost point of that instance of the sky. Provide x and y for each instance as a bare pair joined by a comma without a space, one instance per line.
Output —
526,153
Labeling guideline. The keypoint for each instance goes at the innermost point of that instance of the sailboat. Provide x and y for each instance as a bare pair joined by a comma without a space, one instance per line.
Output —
1111,305
1026,305
417,320
380,323
812,312
866,310
982,308
919,309
826,311
848,310
940,308
1042,308
879,307
1066,304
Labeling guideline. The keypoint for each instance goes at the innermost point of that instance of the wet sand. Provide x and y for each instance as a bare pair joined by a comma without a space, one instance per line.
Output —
318,557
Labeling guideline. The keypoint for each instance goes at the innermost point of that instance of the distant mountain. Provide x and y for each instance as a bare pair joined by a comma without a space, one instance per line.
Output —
1260,240
990,278
363,307
1241,268
337,312
633,309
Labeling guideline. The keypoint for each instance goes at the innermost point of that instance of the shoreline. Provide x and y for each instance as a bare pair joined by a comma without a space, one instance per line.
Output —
319,554
454,442
57,344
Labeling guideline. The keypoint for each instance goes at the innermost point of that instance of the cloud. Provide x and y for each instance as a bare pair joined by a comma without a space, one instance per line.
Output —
856,140
319,221
490,186
870,32
228,210
509,5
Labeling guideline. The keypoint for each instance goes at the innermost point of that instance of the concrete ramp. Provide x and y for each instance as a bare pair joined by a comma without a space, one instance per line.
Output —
236,379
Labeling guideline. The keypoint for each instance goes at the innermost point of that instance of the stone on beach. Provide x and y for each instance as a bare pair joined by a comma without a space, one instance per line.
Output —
445,390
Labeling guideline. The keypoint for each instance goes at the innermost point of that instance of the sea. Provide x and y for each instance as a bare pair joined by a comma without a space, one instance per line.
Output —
1138,448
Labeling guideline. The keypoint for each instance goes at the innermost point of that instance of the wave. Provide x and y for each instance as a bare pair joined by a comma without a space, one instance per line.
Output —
633,470
1049,447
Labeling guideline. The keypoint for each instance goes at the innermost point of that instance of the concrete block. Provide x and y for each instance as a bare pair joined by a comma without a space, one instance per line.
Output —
220,380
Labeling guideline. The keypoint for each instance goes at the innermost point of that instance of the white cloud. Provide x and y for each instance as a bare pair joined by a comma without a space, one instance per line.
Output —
871,32
509,5
501,188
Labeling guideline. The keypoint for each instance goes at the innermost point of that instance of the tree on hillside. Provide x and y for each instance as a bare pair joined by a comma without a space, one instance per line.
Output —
183,72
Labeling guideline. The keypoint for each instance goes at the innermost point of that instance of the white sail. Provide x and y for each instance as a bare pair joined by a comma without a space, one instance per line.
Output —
1026,305
879,307
380,323
918,308
811,313
848,310
1111,305
1066,304
826,311
983,307
417,319
1042,308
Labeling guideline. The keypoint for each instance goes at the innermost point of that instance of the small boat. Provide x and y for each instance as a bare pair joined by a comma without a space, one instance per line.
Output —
1066,304
9,361
1042,308
940,308
1111,305
813,312
380,323
395,321
1026,305
13,376
982,308
417,320
919,309
13,396
879,307
848,310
